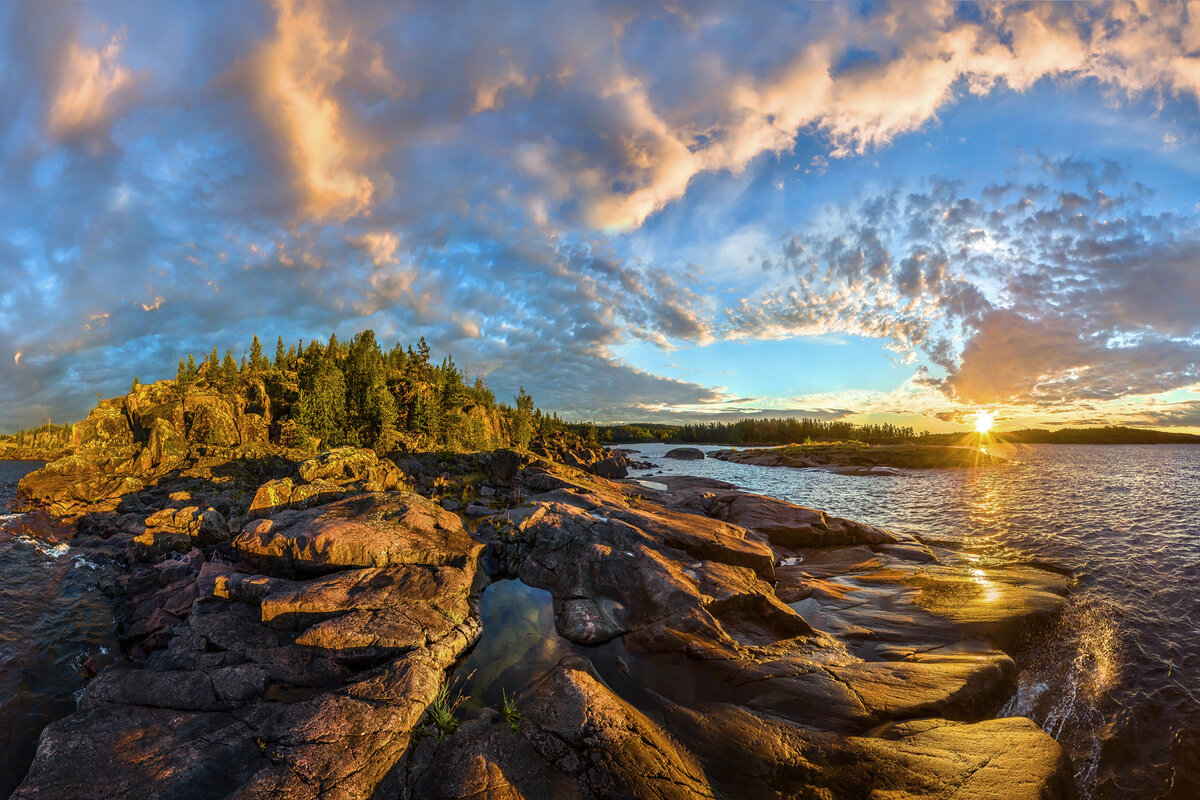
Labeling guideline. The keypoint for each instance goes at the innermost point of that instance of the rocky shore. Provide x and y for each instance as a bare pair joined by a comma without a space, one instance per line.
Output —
289,623
861,459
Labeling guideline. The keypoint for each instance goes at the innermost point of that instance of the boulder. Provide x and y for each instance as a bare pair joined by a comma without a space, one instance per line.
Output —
342,465
615,466
791,526
685,454
754,756
370,530
402,607
212,424
106,427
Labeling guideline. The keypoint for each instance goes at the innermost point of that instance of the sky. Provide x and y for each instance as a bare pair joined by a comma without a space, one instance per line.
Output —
880,212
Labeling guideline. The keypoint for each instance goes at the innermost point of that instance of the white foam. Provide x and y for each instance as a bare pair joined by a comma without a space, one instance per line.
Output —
53,550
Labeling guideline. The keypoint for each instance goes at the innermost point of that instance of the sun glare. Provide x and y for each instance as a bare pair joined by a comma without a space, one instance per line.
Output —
984,420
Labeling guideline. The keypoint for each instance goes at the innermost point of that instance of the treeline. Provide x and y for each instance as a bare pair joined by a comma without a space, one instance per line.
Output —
27,437
357,393
1111,434
786,430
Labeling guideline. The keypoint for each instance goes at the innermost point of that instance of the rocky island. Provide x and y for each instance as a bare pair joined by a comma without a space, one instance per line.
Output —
291,620
856,458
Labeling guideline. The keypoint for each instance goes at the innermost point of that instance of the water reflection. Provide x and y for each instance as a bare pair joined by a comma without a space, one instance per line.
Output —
1115,684
518,644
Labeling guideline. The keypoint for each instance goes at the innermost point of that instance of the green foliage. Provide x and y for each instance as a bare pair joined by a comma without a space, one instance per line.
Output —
321,409
508,711
787,430
229,374
523,427
443,711
358,393
256,355
185,376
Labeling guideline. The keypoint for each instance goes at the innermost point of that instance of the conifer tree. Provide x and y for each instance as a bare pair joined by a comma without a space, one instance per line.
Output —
184,378
523,420
321,407
280,355
256,355
229,374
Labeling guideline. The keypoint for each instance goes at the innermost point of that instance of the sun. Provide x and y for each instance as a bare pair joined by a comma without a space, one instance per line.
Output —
984,420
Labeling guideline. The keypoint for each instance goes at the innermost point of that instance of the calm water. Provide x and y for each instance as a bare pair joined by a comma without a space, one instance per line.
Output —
1118,684
51,620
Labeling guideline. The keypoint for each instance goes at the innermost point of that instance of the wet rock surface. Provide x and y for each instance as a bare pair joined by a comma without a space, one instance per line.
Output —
685,454
288,628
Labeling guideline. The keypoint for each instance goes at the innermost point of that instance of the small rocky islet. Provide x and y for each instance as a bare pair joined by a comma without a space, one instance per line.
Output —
858,458
290,623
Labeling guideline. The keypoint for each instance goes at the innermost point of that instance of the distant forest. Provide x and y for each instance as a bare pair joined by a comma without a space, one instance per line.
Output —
786,430
1108,435
797,431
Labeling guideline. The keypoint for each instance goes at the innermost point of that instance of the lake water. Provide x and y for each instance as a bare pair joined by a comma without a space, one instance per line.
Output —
52,619
1118,682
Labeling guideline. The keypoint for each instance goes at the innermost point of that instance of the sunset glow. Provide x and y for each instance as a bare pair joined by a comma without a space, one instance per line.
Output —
984,420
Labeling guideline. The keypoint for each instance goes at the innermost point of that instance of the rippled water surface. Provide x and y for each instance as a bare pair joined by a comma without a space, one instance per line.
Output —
1118,683
51,620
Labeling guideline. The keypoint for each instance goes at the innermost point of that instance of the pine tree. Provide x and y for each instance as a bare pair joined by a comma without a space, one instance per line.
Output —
523,419
183,378
229,374
191,368
256,355
280,355
321,407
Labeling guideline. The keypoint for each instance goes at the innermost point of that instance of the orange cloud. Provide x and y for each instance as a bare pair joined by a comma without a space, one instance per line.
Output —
91,84
294,78
869,105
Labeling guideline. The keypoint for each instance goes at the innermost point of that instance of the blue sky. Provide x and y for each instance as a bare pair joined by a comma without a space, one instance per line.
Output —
887,212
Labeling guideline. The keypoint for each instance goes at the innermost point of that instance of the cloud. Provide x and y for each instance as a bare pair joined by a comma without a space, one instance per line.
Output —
490,181
91,89
293,79
1083,294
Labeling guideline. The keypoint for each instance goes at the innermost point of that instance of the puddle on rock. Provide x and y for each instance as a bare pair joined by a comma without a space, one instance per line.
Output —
518,645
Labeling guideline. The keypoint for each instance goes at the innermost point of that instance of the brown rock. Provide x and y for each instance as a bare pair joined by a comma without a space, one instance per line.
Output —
371,530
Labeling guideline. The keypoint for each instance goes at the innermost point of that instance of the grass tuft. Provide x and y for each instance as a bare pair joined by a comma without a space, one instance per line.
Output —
508,710
443,711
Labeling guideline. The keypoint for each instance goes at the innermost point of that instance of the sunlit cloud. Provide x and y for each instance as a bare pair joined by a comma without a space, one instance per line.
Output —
293,78
92,85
